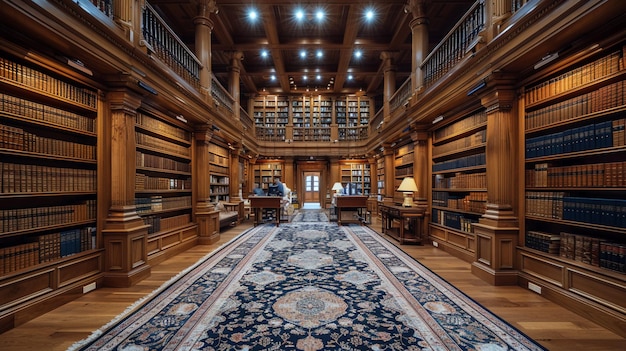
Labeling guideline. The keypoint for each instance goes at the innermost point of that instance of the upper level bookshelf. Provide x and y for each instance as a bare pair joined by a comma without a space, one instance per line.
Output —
459,178
271,116
312,118
48,182
352,117
163,172
219,173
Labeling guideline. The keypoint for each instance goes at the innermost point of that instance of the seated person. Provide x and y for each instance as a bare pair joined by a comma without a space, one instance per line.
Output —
280,186
273,191
258,191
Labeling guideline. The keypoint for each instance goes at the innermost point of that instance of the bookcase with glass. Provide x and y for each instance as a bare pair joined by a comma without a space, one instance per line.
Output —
459,181
162,177
219,171
48,179
574,229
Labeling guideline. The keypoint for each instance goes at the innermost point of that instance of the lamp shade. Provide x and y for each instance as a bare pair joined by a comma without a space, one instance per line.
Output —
408,185
337,186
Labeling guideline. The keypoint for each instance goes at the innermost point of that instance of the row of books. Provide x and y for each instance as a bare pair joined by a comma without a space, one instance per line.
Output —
590,137
219,190
594,251
604,98
161,127
472,202
32,218
542,241
218,150
454,220
46,248
145,182
21,178
559,205
157,223
160,144
595,70
461,162
26,109
15,138
461,181
604,175
146,205
37,80
159,162
466,123
475,139
218,180
218,160
221,170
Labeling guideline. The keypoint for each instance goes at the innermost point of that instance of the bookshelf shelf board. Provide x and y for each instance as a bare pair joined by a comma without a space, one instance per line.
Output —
603,189
35,230
161,171
460,152
34,155
23,120
585,88
460,190
578,154
456,210
578,120
161,135
584,225
22,195
163,211
460,134
438,225
162,152
163,191
40,95
458,170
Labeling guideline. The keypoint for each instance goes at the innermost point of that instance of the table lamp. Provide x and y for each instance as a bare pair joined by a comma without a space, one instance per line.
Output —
337,187
408,187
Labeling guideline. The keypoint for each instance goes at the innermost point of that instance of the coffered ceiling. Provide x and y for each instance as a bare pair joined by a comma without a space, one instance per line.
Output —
310,45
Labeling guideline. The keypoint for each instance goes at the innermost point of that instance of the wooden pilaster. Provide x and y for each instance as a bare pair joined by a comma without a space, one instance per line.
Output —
204,211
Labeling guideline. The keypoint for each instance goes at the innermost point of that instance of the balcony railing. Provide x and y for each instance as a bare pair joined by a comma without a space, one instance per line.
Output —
221,96
106,6
169,48
401,96
454,47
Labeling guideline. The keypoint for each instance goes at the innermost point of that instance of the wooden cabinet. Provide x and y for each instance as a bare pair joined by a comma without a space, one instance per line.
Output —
49,243
163,182
574,228
219,170
459,182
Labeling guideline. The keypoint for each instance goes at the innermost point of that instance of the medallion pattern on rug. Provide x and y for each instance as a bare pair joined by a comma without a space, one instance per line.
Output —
310,287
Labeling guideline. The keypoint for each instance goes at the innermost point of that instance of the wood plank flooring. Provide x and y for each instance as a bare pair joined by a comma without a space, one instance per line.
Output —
554,327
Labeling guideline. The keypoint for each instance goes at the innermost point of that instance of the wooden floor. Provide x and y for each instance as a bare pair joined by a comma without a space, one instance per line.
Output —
554,327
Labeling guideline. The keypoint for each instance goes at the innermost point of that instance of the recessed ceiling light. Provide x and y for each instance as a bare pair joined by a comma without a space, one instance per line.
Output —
369,14
273,77
319,53
305,77
319,77
252,14
358,53
264,53
319,15
299,14
303,53
350,77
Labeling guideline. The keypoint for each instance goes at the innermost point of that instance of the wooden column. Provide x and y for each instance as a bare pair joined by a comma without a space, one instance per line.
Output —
420,166
125,235
390,171
497,231
389,82
204,26
235,177
234,71
419,32
204,211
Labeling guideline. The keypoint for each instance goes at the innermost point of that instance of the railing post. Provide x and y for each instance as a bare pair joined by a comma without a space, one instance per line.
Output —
204,26
419,32
233,80
127,13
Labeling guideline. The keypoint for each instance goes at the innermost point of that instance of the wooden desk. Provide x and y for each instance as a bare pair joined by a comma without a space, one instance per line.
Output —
409,219
350,202
258,203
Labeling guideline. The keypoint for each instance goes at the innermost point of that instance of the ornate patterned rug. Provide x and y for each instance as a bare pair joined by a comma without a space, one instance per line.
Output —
310,216
308,286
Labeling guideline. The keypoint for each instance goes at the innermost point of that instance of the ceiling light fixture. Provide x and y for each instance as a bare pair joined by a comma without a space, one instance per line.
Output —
319,15
303,53
299,15
253,15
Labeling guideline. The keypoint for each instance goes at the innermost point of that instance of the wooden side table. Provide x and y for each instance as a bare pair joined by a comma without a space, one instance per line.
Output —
258,203
403,223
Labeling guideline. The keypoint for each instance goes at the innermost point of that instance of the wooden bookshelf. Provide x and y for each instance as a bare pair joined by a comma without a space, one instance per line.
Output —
219,171
312,118
459,182
49,241
271,116
358,175
403,167
163,187
352,115
265,171
380,177
574,229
